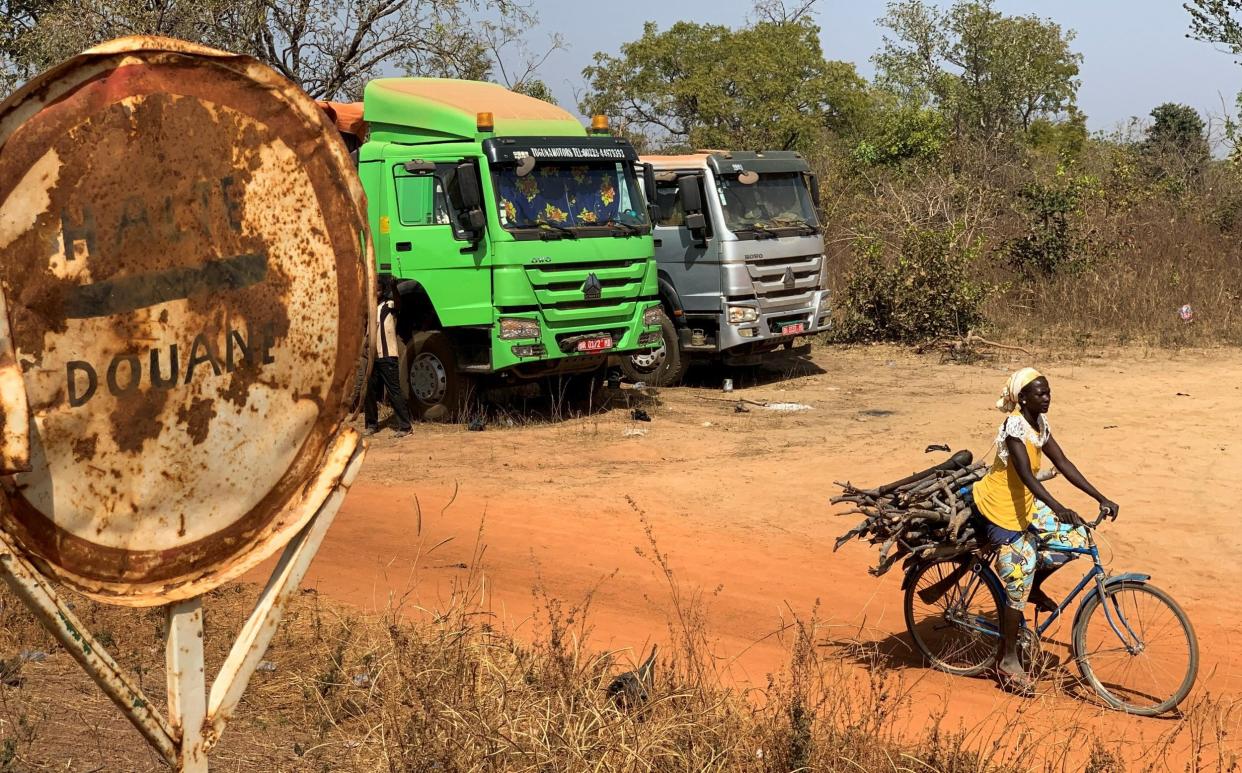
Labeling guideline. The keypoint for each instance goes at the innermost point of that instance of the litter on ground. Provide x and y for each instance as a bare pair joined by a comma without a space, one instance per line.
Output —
787,407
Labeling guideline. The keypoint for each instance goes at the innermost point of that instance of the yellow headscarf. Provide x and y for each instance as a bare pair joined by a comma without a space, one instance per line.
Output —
1017,382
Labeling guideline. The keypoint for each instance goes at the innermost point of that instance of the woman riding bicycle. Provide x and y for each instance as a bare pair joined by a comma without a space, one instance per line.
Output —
1020,514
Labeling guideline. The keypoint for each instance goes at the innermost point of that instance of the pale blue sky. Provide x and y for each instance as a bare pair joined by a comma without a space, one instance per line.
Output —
1136,52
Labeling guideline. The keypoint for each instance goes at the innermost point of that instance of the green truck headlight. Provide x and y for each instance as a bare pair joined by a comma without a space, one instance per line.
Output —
530,350
652,315
653,337
739,314
518,327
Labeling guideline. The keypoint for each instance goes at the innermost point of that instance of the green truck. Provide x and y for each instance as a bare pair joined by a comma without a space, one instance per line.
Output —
519,241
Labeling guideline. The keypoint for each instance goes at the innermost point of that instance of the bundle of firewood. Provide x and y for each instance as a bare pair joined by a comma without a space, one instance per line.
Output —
919,517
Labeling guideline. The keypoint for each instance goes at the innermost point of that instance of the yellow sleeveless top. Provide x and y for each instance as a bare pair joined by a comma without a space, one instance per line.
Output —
1001,496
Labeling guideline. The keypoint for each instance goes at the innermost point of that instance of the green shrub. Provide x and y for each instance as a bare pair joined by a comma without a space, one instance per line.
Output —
928,289
1055,237
901,135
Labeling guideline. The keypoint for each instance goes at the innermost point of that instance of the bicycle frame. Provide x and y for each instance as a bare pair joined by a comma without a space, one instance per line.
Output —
1095,575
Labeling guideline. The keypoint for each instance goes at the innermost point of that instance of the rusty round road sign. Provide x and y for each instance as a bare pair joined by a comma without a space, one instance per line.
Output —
187,277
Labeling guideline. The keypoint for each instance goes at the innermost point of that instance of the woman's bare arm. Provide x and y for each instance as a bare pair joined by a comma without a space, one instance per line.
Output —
1072,474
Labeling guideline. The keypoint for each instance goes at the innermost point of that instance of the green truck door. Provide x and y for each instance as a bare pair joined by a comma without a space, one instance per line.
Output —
428,244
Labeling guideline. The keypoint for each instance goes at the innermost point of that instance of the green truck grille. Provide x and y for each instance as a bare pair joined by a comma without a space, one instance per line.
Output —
560,290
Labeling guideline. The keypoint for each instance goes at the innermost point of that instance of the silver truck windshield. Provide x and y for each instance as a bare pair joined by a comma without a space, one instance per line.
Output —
774,201
570,196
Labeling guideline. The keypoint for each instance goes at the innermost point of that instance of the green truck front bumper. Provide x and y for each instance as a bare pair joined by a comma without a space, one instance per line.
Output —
586,311
569,346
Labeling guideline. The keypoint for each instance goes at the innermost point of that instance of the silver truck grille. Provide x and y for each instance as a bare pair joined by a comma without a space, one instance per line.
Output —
785,283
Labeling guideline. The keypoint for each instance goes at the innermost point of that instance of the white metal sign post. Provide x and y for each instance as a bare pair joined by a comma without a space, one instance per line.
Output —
186,291
196,718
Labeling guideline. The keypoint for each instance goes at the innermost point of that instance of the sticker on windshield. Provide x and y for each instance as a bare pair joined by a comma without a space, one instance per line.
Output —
606,153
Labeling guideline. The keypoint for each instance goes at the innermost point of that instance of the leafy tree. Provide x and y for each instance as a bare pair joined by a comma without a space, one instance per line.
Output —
57,29
330,48
17,19
1216,21
993,75
764,85
1177,140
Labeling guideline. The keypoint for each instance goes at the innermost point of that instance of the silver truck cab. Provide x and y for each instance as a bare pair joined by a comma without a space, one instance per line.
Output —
740,257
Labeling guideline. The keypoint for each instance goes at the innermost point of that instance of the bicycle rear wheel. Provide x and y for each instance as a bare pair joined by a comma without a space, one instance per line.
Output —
1150,667
952,614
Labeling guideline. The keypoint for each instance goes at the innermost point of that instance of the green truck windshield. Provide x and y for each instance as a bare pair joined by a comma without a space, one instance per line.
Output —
569,195
777,200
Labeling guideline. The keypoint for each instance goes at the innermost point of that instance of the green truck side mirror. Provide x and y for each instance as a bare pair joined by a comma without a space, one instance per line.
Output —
471,196
649,188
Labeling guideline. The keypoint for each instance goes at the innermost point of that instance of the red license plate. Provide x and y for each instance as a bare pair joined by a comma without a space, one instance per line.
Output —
595,344
793,330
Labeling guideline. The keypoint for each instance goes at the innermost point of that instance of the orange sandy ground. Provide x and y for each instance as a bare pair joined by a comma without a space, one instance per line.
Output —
738,502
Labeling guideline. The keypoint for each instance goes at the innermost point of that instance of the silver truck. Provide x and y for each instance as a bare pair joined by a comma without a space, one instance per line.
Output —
740,258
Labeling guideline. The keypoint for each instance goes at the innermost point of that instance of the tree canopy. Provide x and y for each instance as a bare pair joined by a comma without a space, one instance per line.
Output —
330,48
762,85
1216,21
991,74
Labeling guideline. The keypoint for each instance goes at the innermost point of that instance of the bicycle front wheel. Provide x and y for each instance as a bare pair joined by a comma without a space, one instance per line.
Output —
1136,649
952,615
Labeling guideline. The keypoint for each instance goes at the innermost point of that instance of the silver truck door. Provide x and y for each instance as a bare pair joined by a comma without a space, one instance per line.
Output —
691,265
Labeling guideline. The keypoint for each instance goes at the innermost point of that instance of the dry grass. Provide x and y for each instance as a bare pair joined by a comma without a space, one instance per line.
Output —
1134,296
1141,247
450,690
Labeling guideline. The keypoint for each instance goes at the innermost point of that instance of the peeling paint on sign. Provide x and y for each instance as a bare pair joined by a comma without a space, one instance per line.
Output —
188,283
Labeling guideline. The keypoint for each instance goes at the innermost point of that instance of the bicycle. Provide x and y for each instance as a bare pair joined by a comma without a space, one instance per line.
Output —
1122,619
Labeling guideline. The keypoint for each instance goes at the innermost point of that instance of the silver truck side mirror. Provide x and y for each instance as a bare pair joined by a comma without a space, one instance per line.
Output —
692,203
688,193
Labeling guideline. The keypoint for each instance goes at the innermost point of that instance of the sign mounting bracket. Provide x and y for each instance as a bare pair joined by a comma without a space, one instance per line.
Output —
196,718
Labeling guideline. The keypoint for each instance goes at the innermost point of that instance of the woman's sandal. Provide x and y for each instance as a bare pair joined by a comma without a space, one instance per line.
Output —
1018,684
1042,602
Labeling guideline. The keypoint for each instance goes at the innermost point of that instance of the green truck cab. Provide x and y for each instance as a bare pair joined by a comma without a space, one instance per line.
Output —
519,242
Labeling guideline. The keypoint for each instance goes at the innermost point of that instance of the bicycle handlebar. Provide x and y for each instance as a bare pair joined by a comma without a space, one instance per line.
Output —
1105,512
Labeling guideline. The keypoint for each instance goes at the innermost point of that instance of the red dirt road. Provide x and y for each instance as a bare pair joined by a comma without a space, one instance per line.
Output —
738,504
